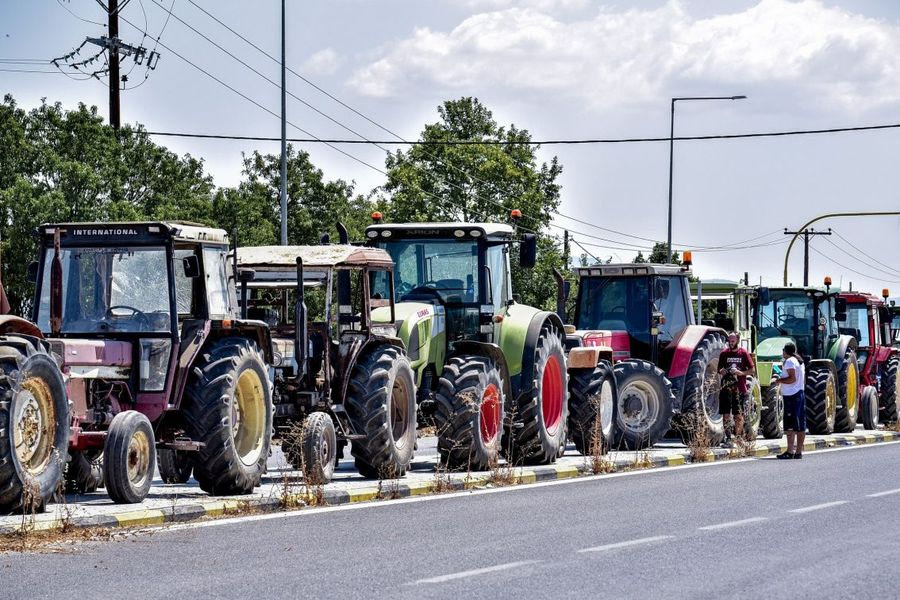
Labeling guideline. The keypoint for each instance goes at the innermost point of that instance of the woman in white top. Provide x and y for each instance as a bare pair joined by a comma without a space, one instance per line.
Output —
792,381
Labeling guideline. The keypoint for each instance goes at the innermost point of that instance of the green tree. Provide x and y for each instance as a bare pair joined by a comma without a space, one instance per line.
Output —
659,254
471,182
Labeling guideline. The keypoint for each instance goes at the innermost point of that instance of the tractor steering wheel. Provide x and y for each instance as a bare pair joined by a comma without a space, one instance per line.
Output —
135,312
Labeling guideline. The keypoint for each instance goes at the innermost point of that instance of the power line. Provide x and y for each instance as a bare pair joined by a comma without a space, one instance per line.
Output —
889,273
33,71
892,270
549,142
852,270
80,18
586,251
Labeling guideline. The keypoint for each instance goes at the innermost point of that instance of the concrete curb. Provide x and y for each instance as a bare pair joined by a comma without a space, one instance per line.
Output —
393,489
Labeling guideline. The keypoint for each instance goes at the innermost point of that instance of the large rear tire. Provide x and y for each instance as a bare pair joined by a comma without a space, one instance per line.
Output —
469,415
821,401
644,405
381,402
84,473
868,407
129,457
174,466
592,402
538,426
772,418
848,389
753,409
34,424
700,405
229,409
889,402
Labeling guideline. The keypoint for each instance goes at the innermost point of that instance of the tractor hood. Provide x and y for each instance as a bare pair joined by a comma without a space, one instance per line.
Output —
416,323
617,340
770,349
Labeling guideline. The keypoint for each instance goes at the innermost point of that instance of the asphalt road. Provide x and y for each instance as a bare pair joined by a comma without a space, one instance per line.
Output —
821,527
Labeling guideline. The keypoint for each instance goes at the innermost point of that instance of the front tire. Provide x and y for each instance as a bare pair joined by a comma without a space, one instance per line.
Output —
469,415
34,424
645,404
592,402
772,417
318,447
129,457
821,401
848,385
381,402
174,466
229,409
538,427
868,408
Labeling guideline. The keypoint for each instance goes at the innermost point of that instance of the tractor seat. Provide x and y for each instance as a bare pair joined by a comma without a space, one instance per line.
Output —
266,315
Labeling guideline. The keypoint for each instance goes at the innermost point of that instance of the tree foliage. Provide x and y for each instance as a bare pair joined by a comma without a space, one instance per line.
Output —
479,182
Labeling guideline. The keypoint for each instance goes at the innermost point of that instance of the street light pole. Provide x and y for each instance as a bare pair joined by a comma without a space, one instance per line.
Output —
672,153
283,191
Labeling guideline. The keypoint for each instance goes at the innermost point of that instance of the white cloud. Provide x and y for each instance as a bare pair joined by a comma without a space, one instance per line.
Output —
627,56
543,5
323,62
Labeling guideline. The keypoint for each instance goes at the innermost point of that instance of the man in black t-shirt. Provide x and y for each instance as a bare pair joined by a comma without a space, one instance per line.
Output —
735,364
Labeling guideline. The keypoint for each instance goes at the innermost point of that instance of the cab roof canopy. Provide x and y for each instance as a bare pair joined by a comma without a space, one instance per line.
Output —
177,230
631,269
462,231
331,256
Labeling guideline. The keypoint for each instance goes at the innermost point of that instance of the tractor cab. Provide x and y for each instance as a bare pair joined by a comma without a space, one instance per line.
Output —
639,310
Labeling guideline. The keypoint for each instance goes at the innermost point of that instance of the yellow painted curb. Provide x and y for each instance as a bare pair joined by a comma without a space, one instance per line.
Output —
566,472
420,489
526,477
140,517
363,495
46,525
675,461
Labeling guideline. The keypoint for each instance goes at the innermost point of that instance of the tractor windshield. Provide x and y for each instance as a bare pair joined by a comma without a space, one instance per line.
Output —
109,289
446,268
857,323
787,314
619,304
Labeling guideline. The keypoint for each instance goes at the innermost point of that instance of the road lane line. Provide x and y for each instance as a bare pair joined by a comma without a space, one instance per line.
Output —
885,493
806,509
638,542
733,524
473,572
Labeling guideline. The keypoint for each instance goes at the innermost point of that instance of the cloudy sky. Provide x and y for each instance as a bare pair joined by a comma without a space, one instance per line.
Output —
561,69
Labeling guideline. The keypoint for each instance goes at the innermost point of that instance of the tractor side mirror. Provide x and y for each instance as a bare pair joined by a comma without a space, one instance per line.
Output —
840,317
840,305
191,266
246,275
763,296
32,272
528,251
721,306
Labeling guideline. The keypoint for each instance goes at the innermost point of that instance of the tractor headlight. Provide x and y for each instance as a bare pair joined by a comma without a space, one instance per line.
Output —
386,330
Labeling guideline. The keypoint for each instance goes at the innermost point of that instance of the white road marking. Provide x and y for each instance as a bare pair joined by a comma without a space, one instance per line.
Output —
307,512
473,572
806,509
886,493
733,524
638,542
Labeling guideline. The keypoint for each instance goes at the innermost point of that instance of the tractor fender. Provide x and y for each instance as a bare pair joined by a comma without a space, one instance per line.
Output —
839,348
520,383
588,357
492,351
684,345
356,355
14,324
826,363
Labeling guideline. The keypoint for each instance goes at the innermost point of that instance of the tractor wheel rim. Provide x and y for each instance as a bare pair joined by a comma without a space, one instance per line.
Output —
552,395
138,464
34,425
852,388
606,407
489,418
638,405
248,427
830,402
399,412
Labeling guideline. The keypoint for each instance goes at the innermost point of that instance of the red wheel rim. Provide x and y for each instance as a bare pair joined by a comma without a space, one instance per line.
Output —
551,394
490,414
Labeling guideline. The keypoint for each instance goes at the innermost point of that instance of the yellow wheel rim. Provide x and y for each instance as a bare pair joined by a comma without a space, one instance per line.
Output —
139,459
830,401
34,425
852,387
248,420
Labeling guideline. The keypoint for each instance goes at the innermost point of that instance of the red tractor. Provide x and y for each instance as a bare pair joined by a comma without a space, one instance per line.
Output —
135,352
868,319
665,366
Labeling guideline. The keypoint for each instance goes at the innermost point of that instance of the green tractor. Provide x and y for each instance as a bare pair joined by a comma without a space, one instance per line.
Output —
809,317
490,372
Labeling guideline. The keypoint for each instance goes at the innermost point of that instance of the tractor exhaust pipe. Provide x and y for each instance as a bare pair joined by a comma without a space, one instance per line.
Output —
56,291
300,332
562,294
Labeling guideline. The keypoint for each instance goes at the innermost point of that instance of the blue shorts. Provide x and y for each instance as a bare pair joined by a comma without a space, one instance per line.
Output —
795,412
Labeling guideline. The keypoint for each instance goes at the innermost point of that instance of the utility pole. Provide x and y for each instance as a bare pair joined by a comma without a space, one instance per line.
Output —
112,10
566,248
806,233
283,138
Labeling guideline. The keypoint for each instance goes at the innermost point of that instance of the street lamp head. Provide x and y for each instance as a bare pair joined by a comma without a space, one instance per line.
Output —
739,97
